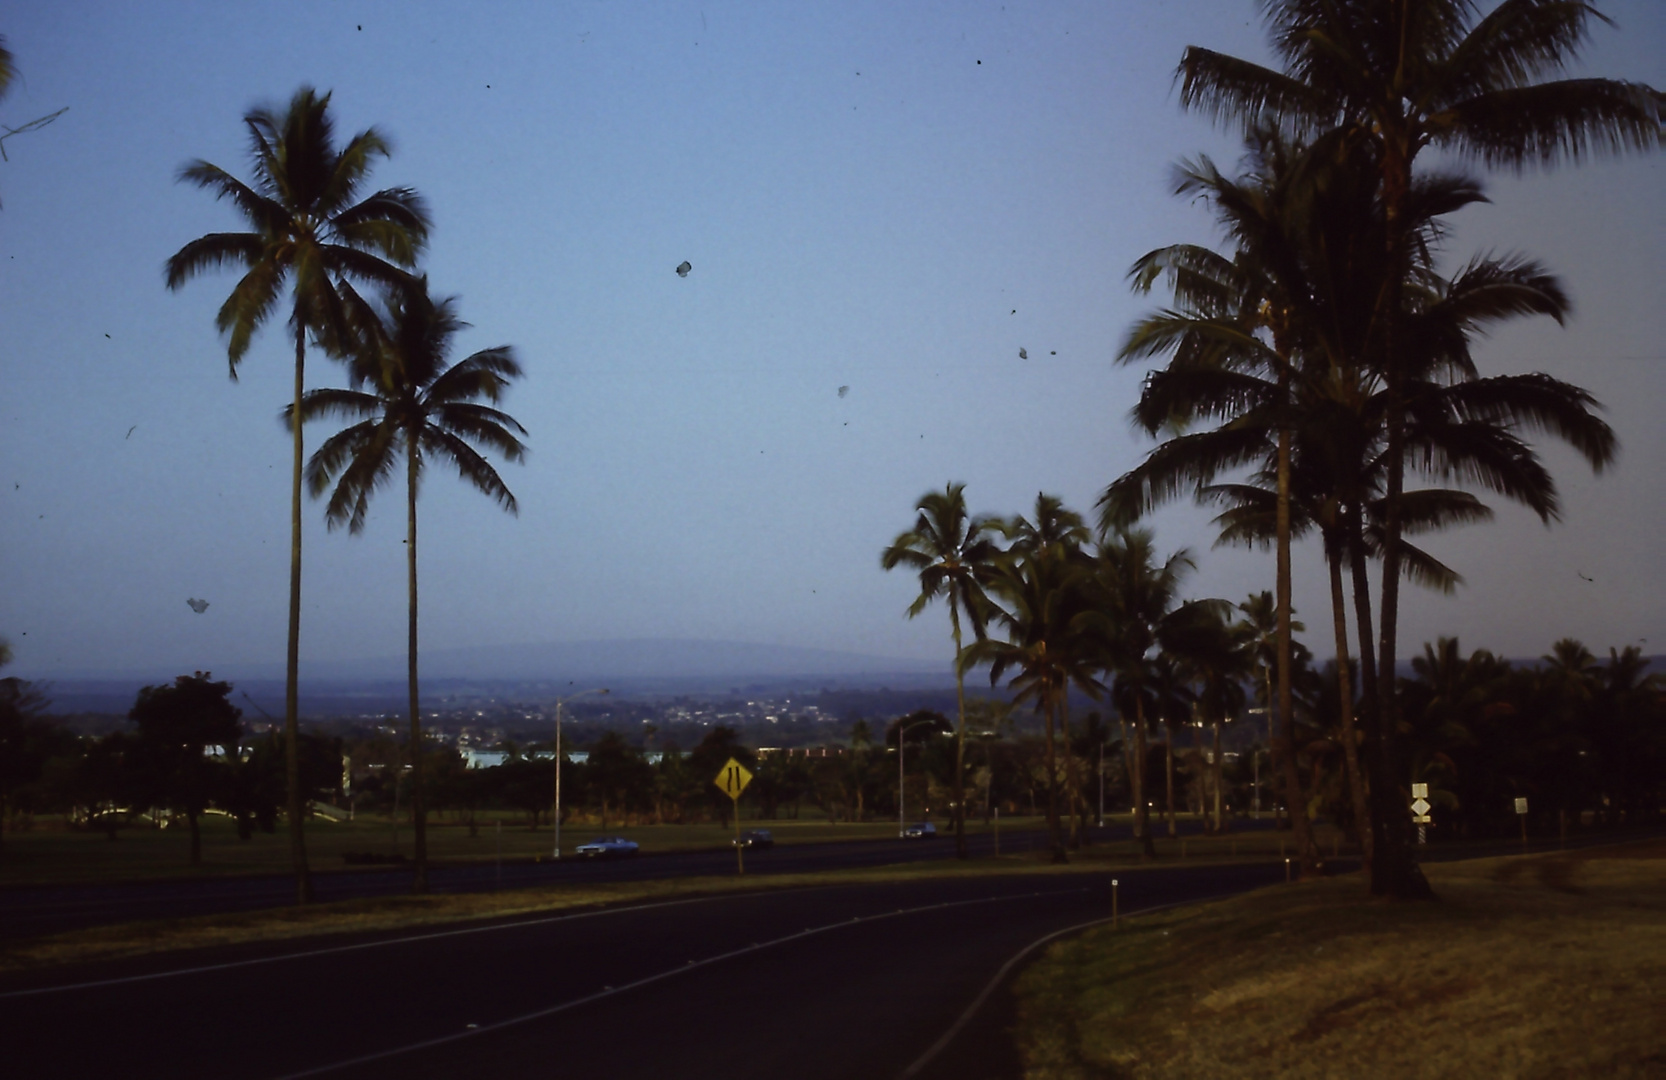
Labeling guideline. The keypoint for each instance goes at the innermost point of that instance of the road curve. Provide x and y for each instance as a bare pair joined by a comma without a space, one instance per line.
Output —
833,981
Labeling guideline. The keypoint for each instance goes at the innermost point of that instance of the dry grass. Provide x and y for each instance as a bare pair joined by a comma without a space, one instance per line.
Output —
1529,966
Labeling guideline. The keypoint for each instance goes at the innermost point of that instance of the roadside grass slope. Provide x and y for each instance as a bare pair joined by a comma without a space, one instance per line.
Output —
1528,966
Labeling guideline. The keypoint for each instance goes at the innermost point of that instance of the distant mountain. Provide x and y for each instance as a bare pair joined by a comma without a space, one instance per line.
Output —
641,667
643,658
657,665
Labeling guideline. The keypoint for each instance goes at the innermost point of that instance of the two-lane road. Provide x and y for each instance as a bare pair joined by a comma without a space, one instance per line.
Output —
37,910
835,981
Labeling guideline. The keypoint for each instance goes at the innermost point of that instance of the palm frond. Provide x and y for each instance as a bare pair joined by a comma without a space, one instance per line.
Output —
470,466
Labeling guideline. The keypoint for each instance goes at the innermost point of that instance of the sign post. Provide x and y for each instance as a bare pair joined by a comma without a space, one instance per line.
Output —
1521,812
1420,811
733,780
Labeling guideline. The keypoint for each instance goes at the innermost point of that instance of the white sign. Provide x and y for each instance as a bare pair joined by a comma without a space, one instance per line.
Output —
1420,791
1521,806
1420,808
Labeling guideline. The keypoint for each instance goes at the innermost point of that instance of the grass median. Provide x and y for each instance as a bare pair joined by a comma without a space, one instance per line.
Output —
1529,966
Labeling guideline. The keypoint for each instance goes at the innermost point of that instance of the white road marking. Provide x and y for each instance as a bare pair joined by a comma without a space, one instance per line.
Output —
442,1040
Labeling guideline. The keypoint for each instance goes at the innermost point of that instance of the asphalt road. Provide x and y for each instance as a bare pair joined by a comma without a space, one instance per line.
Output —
33,911
833,981
29,912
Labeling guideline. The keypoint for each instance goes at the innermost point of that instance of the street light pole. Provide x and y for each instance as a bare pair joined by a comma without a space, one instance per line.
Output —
559,704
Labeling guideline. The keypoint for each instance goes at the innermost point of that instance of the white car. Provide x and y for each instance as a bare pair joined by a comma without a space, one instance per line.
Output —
924,830
607,847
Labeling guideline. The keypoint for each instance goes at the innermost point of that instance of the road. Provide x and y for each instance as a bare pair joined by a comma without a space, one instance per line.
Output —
831,981
33,911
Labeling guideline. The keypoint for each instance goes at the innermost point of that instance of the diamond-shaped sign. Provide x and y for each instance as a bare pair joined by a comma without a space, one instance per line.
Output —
1420,807
733,779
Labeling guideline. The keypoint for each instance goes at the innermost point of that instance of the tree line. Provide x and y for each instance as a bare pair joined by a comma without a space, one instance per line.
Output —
1318,369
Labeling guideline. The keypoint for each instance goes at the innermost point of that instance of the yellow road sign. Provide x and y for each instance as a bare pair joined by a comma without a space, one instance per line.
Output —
733,779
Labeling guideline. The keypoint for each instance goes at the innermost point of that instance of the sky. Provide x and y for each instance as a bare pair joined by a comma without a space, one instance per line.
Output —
893,198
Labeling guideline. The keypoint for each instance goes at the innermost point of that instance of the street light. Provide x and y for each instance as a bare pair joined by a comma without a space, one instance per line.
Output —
902,736
559,704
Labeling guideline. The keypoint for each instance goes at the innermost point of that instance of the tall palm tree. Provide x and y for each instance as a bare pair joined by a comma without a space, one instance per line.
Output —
1216,654
420,408
1297,300
1056,527
1042,594
1392,77
955,556
307,235
1131,599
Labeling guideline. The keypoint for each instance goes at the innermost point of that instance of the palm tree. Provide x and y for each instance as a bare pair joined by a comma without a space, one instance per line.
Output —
1042,596
1056,527
1130,602
419,408
307,235
954,556
1296,301
1387,79
1218,655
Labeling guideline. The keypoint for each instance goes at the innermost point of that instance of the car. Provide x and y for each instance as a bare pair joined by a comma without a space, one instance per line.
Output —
923,830
757,838
607,847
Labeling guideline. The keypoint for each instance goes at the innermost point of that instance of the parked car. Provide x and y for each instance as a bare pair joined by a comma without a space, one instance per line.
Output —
607,847
757,838
923,830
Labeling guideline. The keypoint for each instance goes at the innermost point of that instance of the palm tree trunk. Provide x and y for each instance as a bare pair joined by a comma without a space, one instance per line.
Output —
419,820
1394,867
1053,829
292,664
1344,676
1142,811
1300,828
1370,718
959,737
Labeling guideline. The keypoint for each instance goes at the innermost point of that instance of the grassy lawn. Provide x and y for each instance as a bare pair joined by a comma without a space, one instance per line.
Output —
1018,856
1529,966
50,854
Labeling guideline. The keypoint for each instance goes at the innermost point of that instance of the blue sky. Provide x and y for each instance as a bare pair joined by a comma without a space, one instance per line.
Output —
890,197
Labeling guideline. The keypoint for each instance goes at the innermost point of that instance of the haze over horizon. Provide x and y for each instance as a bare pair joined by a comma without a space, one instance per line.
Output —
889,199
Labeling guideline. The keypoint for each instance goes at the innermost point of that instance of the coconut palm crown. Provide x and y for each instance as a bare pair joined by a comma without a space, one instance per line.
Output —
307,234
419,408
955,557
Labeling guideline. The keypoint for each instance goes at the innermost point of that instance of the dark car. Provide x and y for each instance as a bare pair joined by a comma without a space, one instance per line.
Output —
924,830
757,838
607,847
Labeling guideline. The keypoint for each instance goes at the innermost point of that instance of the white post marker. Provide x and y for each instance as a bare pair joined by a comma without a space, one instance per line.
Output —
1521,812
1420,811
1114,918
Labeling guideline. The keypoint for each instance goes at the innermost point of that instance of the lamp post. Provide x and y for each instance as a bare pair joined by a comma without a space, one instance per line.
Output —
902,737
1255,756
560,703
